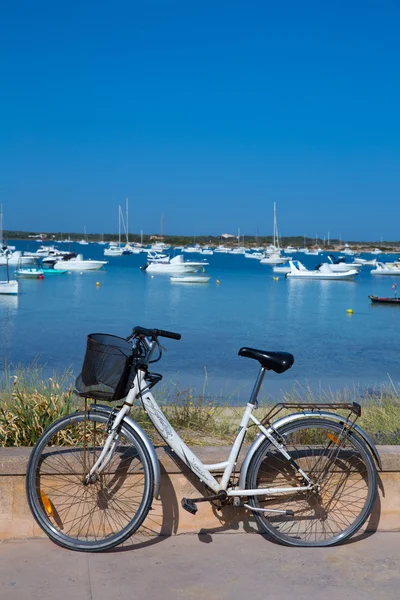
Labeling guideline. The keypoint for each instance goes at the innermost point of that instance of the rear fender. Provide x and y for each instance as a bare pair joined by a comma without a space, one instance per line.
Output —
144,438
295,417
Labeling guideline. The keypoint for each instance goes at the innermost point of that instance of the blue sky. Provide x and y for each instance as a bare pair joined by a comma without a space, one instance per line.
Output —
204,112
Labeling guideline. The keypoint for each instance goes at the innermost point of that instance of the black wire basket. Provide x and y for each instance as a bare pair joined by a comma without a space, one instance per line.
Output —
108,368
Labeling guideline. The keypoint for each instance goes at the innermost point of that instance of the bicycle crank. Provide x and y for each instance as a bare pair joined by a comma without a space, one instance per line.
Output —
189,504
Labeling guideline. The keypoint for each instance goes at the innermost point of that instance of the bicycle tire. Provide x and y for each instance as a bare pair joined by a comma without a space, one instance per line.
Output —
65,508
316,525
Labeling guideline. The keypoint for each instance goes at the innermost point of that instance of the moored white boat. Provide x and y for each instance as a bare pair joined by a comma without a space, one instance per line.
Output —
391,269
9,287
196,249
290,250
15,258
285,268
29,273
190,278
339,266
79,264
113,249
207,251
365,262
298,271
274,259
255,255
174,265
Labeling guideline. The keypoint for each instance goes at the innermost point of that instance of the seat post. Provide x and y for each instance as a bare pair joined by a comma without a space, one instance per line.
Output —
257,385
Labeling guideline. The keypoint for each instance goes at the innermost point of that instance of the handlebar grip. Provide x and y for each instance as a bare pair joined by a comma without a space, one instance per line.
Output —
155,333
167,334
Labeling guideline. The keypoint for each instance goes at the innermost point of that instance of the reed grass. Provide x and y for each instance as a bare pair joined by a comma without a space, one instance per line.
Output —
30,402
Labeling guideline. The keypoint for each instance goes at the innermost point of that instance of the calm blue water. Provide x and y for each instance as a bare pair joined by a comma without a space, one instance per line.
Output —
51,318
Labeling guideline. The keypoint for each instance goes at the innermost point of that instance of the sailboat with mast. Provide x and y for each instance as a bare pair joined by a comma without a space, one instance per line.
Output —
10,286
274,252
115,249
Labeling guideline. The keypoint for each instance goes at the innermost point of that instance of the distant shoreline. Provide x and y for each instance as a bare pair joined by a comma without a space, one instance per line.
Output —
335,245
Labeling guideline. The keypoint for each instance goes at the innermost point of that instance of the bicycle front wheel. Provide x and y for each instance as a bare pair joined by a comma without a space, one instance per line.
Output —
340,465
88,516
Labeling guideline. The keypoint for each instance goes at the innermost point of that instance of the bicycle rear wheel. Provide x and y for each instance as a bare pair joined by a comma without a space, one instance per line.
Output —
95,516
346,477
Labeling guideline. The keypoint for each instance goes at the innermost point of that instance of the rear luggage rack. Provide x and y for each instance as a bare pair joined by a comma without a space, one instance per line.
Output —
353,408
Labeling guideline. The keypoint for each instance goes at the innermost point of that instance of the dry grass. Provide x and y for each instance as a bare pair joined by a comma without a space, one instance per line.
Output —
30,402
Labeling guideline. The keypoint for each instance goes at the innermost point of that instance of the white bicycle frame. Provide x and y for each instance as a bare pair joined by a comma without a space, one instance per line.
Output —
141,389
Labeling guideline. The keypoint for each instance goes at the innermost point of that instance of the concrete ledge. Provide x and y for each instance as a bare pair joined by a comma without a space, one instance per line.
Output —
167,516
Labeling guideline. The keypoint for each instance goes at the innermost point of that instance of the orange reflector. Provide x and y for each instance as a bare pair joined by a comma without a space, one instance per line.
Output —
334,439
46,503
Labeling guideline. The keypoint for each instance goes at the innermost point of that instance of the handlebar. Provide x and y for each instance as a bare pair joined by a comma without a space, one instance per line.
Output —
154,333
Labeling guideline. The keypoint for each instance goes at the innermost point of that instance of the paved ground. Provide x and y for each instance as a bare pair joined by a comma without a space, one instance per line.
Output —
221,566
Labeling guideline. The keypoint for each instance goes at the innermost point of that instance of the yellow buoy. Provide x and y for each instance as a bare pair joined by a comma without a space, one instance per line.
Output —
218,282
275,278
349,311
97,283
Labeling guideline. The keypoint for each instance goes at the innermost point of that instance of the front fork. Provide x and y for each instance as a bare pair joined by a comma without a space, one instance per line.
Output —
107,452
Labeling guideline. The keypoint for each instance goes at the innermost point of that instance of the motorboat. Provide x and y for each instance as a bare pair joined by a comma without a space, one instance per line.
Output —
45,251
238,250
9,287
157,257
33,272
274,259
290,250
78,264
285,268
377,300
207,251
222,249
174,265
376,251
391,269
365,262
51,260
338,265
190,278
312,251
196,249
299,271
347,250
15,258
113,249
255,255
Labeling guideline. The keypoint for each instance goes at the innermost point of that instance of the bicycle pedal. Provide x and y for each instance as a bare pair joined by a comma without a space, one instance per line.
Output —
189,505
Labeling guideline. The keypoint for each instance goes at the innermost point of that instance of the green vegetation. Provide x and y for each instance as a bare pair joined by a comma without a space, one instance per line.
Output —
29,402
183,240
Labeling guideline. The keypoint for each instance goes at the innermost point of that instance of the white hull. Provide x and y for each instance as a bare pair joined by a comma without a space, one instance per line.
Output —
273,260
298,271
28,273
15,259
281,269
174,265
382,269
364,261
255,255
190,279
207,252
114,251
9,287
168,268
78,264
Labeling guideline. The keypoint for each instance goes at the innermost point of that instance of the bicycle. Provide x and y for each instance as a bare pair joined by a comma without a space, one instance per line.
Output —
309,477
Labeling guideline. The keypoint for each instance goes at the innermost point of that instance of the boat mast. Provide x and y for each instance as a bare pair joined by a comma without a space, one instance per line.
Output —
127,225
1,225
275,227
141,237
119,225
